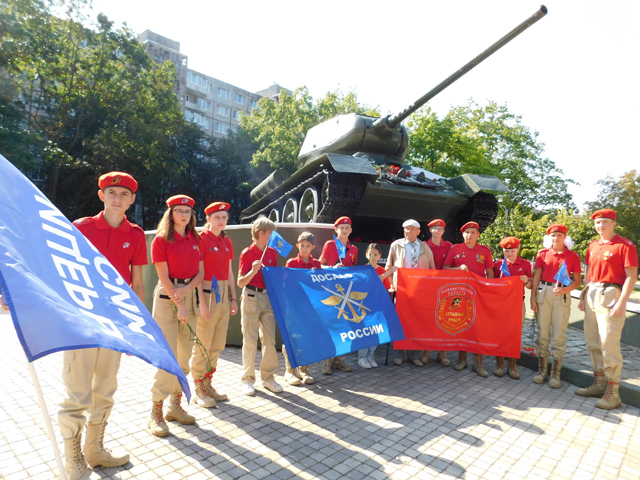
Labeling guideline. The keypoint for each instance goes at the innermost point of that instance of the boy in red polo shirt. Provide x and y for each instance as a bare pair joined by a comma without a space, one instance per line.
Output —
612,270
517,267
90,374
306,244
470,256
257,313
552,301
331,257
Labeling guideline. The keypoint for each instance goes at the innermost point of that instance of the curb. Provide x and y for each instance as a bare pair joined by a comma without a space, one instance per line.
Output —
629,393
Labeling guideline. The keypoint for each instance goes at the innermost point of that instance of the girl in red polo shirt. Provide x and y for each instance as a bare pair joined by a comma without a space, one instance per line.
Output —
217,253
176,254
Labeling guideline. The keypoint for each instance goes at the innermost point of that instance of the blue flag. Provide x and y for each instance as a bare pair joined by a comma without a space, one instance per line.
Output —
342,249
563,275
330,312
215,288
504,269
62,293
279,244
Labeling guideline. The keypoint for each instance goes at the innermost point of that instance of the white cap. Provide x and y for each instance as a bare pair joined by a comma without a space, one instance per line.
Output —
410,223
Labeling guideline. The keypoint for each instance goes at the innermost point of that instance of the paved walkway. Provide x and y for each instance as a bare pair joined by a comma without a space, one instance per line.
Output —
390,422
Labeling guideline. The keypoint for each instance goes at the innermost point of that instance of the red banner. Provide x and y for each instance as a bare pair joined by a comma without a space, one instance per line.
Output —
456,310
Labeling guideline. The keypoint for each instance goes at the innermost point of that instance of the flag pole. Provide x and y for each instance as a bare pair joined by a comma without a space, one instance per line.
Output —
267,246
47,420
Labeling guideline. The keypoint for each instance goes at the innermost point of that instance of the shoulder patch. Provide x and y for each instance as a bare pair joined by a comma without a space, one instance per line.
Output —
84,221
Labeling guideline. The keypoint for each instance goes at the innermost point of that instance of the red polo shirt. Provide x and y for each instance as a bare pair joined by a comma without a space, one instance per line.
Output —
516,269
607,261
330,254
250,255
477,259
123,246
439,252
182,256
550,261
380,270
217,252
299,263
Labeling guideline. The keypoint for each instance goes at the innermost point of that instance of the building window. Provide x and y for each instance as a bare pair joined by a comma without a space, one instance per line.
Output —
236,114
222,110
223,92
197,79
198,119
204,104
254,104
222,128
241,99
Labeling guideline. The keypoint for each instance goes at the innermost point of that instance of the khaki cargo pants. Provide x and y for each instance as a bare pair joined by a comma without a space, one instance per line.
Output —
553,320
602,331
258,321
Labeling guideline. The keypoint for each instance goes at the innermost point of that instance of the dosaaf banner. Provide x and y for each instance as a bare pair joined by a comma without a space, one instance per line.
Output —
456,310
62,293
325,313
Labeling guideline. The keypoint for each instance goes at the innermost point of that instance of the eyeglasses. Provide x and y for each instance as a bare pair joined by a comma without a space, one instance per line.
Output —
184,213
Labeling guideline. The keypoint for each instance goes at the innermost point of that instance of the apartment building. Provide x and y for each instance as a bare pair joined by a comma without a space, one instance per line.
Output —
212,104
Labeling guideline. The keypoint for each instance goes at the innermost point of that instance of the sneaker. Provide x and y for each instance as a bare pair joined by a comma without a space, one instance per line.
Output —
247,389
272,385
372,362
364,362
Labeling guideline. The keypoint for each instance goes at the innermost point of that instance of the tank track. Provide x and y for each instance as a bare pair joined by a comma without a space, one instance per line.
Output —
344,196
482,208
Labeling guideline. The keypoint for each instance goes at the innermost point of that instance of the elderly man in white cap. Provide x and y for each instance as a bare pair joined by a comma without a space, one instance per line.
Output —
409,252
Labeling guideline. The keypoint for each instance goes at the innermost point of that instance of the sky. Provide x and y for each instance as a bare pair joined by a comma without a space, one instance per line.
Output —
573,77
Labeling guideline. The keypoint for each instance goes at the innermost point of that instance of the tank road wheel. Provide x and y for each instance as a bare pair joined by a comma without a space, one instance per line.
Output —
309,205
274,215
290,211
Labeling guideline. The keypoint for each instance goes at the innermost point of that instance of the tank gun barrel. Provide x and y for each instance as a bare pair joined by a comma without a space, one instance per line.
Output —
394,120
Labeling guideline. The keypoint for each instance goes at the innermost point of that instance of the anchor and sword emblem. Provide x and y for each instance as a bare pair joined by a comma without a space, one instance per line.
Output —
341,300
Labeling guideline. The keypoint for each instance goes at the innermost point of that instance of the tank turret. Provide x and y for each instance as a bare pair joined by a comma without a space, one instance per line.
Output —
354,165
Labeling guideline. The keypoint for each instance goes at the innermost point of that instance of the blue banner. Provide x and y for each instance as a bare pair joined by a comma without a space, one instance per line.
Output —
61,292
324,313
279,244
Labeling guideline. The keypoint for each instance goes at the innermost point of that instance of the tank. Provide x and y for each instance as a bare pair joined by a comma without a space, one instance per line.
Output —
354,165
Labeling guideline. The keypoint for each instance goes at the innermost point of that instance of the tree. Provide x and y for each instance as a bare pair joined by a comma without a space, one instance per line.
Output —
98,102
490,141
530,228
279,128
623,196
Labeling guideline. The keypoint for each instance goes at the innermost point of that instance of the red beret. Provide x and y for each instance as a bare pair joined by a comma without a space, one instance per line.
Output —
510,242
604,213
557,227
342,221
436,223
180,200
117,179
216,207
470,225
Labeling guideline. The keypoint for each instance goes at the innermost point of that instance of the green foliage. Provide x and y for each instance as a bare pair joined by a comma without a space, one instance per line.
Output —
489,140
623,196
530,229
98,102
279,128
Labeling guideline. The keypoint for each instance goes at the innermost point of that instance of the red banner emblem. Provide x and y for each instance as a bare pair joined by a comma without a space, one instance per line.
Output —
456,310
